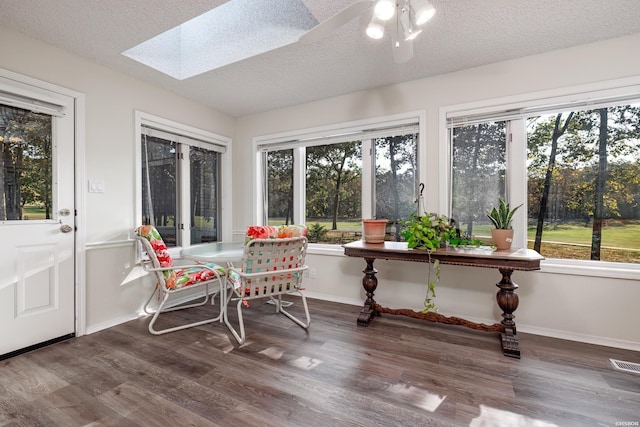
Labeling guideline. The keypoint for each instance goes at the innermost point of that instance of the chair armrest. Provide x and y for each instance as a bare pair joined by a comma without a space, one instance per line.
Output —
146,265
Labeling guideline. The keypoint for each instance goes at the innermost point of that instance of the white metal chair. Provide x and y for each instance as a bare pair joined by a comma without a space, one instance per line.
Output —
173,279
272,266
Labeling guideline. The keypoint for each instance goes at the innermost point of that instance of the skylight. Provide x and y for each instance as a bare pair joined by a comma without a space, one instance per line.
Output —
234,31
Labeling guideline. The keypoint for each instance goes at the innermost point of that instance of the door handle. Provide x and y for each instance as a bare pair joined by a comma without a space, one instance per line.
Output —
66,228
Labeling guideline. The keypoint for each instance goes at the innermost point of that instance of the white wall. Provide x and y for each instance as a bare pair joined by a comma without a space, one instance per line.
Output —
591,309
111,99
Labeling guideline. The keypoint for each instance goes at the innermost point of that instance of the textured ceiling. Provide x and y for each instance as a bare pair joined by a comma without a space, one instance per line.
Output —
463,34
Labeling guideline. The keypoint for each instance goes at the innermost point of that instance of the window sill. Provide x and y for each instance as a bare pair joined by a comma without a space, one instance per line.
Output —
611,270
325,249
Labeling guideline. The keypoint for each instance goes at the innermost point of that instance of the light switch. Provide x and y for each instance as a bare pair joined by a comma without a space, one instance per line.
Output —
96,186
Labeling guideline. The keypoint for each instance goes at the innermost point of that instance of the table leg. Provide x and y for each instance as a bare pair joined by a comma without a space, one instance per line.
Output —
508,301
369,283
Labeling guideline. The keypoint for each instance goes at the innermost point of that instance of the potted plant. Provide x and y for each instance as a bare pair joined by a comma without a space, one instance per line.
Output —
429,232
374,230
462,242
501,218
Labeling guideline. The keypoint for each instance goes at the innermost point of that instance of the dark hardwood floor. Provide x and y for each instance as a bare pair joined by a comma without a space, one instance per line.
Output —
396,372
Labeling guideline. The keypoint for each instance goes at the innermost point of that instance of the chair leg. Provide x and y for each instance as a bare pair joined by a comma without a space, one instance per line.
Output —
161,309
156,314
281,309
240,337
146,305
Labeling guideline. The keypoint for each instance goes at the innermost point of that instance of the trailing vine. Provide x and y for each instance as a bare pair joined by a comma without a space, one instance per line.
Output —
429,232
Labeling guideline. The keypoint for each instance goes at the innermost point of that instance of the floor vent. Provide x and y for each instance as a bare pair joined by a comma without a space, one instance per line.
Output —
626,366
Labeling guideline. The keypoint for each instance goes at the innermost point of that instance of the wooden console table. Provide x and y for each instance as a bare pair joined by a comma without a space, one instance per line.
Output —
505,261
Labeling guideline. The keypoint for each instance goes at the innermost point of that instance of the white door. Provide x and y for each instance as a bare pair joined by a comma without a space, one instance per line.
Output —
37,220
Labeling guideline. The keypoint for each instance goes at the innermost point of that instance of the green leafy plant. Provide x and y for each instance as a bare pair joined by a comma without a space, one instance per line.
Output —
429,232
503,215
316,232
465,240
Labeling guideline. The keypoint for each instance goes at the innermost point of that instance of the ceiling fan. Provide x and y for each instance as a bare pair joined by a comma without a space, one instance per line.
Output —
404,19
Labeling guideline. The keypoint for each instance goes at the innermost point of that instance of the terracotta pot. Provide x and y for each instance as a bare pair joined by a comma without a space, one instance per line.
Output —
502,238
373,230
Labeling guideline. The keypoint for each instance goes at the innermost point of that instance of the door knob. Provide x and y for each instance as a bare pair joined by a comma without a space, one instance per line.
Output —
66,228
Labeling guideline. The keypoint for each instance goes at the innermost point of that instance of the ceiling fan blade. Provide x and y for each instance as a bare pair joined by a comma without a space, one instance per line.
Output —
326,28
402,52
402,49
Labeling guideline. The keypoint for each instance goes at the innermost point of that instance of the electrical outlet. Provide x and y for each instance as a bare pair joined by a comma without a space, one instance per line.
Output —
312,273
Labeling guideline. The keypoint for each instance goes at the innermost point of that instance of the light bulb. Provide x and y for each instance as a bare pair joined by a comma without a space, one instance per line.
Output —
385,9
422,11
375,30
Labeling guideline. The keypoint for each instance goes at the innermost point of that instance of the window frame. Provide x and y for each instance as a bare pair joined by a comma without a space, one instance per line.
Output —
41,100
339,132
203,138
516,109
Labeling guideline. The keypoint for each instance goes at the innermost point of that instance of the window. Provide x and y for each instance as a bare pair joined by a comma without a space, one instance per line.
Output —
584,184
181,181
478,175
26,162
330,179
582,181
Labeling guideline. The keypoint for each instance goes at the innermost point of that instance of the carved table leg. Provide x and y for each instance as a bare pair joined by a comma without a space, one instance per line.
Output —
369,283
508,301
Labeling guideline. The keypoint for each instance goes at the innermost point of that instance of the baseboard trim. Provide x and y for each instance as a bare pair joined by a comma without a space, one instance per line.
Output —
587,339
187,297
331,298
111,323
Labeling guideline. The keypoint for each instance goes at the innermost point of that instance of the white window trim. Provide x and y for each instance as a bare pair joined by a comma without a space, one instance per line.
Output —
344,128
142,118
517,187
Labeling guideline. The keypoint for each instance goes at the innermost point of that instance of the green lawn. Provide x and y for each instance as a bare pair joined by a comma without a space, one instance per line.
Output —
33,212
620,240
615,234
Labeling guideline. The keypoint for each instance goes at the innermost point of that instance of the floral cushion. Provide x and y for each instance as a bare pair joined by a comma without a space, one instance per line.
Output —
150,233
272,232
178,277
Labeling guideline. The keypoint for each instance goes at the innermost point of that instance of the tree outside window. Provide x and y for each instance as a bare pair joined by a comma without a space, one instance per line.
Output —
584,184
26,191
583,170
159,187
335,185
165,206
396,179
478,175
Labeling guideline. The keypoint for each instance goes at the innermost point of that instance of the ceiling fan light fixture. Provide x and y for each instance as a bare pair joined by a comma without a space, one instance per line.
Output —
384,9
375,29
406,24
423,11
